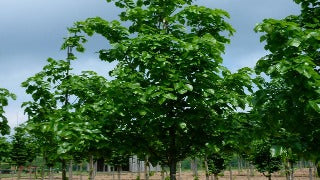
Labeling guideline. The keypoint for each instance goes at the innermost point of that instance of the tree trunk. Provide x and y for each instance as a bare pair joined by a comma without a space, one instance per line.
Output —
180,170
162,173
35,173
173,170
146,165
194,167
81,164
30,173
269,177
50,173
19,172
0,171
64,169
248,174
91,168
287,170
206,167
317,169
70,170
292,171
239,165
113,173
251,170
230,171
81,168
139,168
310,173
42,172
215,177
119,172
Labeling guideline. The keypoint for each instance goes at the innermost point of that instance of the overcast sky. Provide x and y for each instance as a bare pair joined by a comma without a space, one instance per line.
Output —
33,30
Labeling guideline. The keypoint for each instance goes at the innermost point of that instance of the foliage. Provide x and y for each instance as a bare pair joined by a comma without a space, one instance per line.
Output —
288,104
216,163
170,89
4,96
5,148
263,159
23,147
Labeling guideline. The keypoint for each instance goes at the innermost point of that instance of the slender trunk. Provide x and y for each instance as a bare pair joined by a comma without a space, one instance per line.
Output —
269,177
317,169
119,172
81,167
215,177
162,173
173,170
42,172
70,170
146,165
206,167
195,167
95,169
292,171
35,173
64,169
211,177
230,171
50,173
19,172
91,168
139,168
287,170
239,165
113,169
251,170
180,170
30,173
310,173
248,174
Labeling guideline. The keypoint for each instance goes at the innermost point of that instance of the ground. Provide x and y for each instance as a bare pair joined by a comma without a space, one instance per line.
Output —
302,174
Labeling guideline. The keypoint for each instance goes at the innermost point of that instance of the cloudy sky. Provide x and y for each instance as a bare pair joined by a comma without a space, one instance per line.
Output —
33,30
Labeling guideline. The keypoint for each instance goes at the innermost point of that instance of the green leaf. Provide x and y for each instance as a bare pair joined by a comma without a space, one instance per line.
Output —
294,42
170,96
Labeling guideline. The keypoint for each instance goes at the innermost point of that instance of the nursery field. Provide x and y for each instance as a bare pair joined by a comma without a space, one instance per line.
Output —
300,174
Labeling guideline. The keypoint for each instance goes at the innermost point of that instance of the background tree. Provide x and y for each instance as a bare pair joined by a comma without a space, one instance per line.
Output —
4,96
289,103
5,147
23,150
264,160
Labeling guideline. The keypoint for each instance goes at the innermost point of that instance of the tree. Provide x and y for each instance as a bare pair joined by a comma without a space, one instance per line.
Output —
264,160
170,90
289,103
5,147
4,96
65,112
22,149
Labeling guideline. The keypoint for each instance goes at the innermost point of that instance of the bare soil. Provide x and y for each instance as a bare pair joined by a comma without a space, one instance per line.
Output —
301,174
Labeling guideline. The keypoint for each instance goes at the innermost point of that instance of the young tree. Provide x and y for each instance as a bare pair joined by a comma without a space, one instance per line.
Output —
22,149
4,96
65,112
264,160
170,89
289,103
5,147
